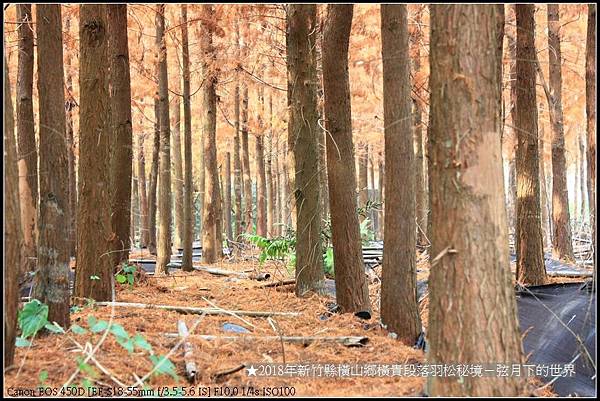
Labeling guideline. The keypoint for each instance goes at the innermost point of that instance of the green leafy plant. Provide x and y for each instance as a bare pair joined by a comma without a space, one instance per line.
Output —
43,376
126,274
163,366
273,248
32,318
366,234
328,262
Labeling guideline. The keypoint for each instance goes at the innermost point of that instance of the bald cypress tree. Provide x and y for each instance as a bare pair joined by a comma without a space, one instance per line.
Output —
163,256
27,151
303,145
12,226
352,292
94,273
468,229
399,308
529,242
121,162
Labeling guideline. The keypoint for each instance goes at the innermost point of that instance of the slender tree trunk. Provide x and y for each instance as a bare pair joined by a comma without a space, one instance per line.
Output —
261,188
13,237
93,277
399,307
135,210
51,284
512,178
121,162
381,196
269,173
543,192
164,196
373,212
322,147
247,178
237,166
590,111
141,173
227,190
303,142
277,190
420,184
188,207
70,105
363,188
468,209
581,168
286,197
27,151
178,167
561,240
154,178
211,235
529,244
352,291
261,178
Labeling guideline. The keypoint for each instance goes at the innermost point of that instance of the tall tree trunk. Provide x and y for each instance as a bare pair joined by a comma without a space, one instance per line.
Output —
164,195
178,167
13,237
590,111
363,190
420,184
352,291
247,178
237,173
561,240
188,207
373,215
237,166
529,244
512,178
27,151
93,277
278,229
581,174
211,235
381,196
269,173
399,307
121,162
154,177
468,209
303,142
70,105
321,107
135,209
51,284
261,188
286,196
141,173
543,192
227,190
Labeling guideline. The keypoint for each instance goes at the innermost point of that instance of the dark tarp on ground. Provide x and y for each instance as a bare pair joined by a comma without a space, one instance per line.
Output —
549,342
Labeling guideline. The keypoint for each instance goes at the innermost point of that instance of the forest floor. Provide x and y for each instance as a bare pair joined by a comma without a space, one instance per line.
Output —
112,365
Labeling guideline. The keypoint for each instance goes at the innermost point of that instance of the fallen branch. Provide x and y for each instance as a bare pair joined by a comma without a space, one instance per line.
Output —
188,352
230,313
221,272
199,311
279,283
226,372
348,341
